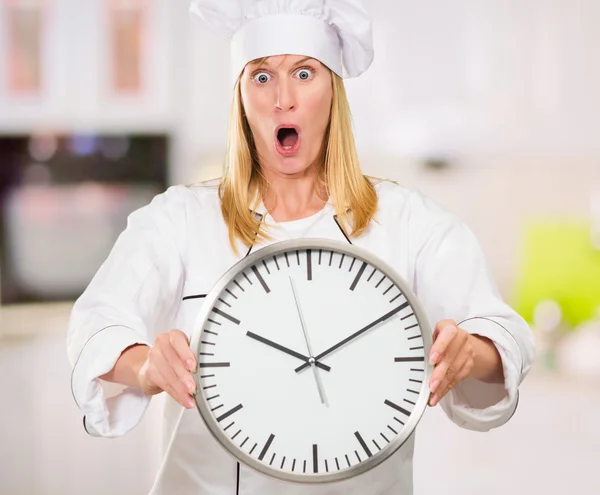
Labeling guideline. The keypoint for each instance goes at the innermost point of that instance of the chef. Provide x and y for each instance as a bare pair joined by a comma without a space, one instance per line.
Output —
291,171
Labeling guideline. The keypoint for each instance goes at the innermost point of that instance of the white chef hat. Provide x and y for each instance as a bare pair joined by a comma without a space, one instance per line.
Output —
335,32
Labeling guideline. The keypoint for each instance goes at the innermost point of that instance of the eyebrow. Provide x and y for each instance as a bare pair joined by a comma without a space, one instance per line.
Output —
299,62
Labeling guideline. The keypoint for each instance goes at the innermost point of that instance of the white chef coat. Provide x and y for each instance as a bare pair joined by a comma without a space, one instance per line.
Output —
177,247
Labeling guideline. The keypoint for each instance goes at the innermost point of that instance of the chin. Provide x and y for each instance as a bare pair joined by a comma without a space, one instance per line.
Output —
291,165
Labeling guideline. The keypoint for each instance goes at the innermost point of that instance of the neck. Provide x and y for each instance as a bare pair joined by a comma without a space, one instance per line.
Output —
293,197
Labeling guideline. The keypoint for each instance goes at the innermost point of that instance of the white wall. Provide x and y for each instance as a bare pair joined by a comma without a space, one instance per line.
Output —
508,92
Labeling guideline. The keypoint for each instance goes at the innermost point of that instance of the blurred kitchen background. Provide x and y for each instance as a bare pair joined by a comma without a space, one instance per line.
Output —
490,107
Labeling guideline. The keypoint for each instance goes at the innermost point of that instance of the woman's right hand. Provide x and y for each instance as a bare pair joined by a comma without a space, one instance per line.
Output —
167,368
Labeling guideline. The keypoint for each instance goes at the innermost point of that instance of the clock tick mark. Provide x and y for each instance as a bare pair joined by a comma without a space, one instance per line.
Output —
229,426
372,273
407,316
358,276
401,422
330,258
276,263
362,443
315,458
218,407
266,267
231,293
379,283
252,449
224,302
396,407
409,359
229,413
388,289
392,429
357,456
215,365
348,460
385,438
239,286
412,326
210,332
261,279
309,264
298,257
352,264
244,442
246,277
226,315
337,464
416,369
410,402
237,433
272,459
215,322
396,297
282,463
266,447
342,260
286,259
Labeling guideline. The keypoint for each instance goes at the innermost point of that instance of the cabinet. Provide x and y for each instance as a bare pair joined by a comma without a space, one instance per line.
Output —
76,72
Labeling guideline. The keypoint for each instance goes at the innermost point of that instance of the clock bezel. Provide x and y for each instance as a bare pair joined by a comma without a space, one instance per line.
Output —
303,244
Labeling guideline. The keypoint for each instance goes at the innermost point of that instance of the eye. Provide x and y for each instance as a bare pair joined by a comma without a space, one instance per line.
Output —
305,74
261,77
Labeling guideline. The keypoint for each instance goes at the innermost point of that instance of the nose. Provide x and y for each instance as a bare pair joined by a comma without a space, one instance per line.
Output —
286,97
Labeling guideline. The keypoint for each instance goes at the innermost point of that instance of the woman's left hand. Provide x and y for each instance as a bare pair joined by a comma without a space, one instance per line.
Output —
453,356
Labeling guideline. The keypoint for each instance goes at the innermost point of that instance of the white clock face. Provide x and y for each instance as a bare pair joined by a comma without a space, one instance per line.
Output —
304,419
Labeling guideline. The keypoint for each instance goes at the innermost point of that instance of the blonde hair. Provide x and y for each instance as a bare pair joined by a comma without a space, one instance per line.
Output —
352,194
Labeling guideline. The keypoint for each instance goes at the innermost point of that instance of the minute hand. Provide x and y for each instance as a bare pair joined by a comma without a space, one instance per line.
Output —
354,335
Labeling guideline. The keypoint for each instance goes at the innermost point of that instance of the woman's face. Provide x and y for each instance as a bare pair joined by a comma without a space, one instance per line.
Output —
287,101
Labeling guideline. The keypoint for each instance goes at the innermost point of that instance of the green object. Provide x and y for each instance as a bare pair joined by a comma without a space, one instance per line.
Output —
559,262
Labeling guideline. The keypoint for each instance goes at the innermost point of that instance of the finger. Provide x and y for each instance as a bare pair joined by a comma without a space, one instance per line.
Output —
180,343
464,372
172,384
443,334
174,360
453,378
452,351
458,371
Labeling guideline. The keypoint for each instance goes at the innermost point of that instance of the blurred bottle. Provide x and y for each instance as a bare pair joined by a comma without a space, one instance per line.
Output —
548,324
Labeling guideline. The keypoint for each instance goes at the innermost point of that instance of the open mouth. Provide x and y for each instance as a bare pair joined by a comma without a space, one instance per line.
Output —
287,139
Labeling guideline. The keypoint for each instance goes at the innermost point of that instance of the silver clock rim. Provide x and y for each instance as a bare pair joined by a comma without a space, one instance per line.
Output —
297,244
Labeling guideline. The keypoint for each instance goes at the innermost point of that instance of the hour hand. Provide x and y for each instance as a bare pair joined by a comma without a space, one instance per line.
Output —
286,350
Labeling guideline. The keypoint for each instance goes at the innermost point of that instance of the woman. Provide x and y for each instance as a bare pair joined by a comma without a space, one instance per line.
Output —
291,172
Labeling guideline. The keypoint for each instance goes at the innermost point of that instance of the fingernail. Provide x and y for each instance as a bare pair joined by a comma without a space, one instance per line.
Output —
434,385
190,364
434,357
434,400
190,386
190,402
